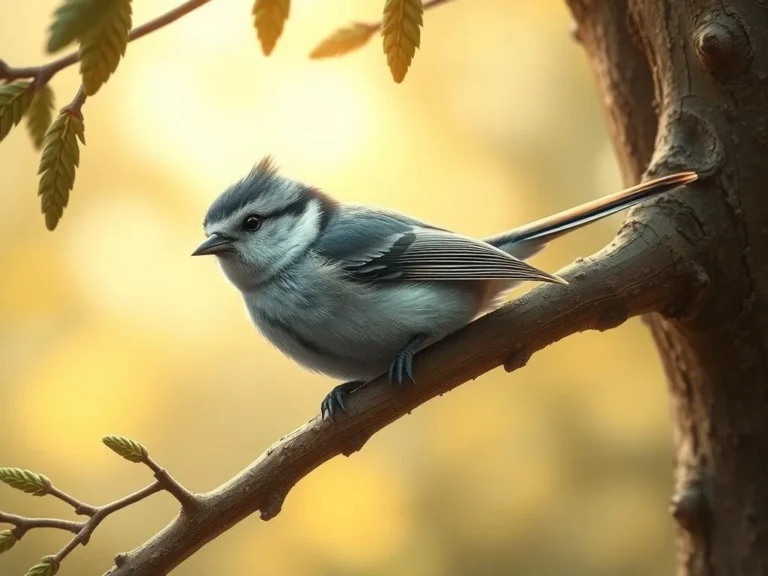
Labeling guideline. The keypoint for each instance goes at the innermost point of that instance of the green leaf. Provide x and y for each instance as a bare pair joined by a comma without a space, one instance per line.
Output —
125,447
74,19
40,115
269,18
61,155
15,98
344,40
7,540
25,480
103,47
401,31
46,567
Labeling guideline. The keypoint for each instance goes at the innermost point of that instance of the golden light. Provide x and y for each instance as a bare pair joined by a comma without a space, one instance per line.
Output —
91,382
314,119
353,511
318,118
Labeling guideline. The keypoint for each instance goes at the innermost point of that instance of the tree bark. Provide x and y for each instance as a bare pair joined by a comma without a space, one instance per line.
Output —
685,84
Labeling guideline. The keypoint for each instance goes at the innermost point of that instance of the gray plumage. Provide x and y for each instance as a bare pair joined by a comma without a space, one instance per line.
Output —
352,291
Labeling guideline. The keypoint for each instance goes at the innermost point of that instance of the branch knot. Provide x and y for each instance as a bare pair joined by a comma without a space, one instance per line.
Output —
723,46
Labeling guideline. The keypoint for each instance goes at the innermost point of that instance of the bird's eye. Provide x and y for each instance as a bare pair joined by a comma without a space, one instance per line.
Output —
252,223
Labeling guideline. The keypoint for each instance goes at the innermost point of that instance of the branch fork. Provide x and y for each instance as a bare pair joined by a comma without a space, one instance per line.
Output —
40,485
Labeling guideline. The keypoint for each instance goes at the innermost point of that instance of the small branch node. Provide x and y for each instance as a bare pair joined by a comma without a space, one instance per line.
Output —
80,508
723,46
273,505
186,498
689,504
85,510
120,559
611,318
576,33
355,444
518,358
44,75
76,106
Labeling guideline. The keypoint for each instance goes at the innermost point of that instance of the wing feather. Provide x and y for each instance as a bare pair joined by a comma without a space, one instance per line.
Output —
433,255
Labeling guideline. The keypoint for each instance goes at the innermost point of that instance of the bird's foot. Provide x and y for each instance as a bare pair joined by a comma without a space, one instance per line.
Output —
334,402
402,365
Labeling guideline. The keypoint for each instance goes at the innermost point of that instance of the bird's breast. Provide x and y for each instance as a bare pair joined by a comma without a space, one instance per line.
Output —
352,331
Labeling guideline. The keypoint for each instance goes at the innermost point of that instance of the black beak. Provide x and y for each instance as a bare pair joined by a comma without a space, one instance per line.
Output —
214,244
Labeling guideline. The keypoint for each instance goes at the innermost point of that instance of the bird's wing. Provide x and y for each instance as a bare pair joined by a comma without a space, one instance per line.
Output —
387,247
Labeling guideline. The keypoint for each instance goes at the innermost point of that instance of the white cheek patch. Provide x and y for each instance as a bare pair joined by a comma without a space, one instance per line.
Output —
298,234
280,241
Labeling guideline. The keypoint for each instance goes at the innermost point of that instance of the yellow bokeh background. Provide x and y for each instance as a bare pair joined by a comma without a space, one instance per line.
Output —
107,326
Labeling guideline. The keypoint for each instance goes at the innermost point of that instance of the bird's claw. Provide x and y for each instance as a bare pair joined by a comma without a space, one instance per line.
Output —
334,401
401,367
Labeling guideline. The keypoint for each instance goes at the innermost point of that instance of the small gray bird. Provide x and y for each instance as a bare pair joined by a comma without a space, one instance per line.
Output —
355,291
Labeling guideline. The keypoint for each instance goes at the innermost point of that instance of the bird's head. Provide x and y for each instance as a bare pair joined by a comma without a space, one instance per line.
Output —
263,224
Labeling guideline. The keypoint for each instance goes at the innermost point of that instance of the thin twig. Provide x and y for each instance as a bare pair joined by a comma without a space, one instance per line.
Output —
42,74
169,483
76,106
80,507
23,524
83,530
86,528
427,5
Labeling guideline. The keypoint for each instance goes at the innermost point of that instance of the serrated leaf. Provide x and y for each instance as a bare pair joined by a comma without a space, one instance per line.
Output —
344,40
60,157
269,18
73,20
46,567
25,480
125,447
15,98
7,540
40,115
400,29
102,48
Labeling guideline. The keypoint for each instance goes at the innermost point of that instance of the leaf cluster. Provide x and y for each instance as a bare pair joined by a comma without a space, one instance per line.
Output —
101,31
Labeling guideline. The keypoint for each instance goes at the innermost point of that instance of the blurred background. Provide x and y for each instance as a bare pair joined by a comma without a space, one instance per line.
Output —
107,326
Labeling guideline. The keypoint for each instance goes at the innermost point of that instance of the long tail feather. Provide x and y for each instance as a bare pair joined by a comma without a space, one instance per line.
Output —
525,241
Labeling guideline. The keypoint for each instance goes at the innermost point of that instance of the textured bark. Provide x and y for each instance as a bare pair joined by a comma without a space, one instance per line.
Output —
685,83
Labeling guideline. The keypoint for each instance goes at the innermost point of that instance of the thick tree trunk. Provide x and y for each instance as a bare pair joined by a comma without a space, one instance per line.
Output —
685,85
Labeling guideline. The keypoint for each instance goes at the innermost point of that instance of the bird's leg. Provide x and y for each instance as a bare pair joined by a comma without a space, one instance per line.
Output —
402,365
336,397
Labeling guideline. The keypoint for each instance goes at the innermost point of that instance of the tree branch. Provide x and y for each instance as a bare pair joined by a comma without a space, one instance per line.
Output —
23,524
78,506
40,485
42,74
649,267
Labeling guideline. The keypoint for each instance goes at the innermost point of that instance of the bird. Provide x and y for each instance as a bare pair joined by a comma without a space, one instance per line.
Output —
354,291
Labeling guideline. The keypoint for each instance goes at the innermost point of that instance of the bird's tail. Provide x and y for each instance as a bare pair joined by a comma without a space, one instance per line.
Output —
527,240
